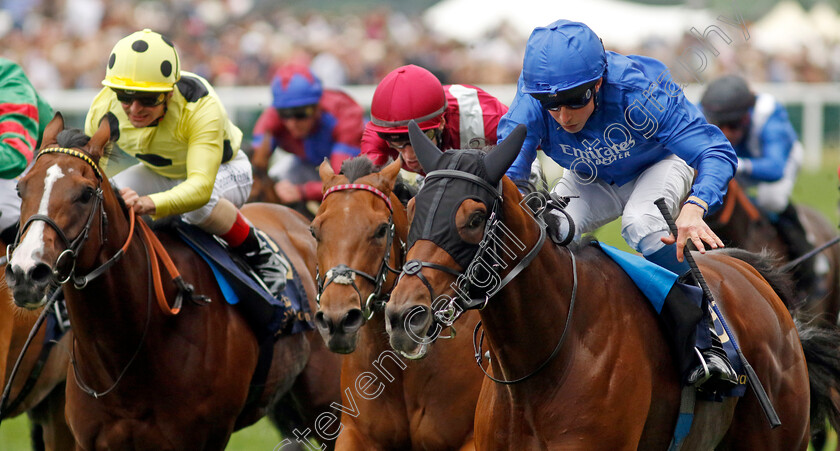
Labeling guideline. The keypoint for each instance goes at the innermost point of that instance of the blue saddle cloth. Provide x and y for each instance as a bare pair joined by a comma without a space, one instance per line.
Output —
269,316
655,282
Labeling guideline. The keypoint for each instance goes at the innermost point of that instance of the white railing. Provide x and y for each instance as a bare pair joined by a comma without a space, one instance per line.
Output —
813,97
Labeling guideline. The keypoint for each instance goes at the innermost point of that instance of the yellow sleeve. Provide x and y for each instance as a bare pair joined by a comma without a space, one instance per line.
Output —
203,126
98,109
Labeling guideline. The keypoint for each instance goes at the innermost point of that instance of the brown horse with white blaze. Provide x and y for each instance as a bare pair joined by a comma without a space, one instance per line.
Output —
574,344
361,228
146,375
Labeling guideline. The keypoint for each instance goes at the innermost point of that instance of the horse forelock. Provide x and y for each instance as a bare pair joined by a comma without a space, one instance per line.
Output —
357,167
74,138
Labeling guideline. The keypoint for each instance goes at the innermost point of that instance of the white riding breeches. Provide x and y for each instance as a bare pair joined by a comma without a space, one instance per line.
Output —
233,182
9,203
641,222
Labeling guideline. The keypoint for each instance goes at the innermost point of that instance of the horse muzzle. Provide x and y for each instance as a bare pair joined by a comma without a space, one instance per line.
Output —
340,332
409,330
30,286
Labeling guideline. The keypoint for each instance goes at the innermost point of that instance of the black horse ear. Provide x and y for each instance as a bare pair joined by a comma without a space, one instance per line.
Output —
427,152
499,159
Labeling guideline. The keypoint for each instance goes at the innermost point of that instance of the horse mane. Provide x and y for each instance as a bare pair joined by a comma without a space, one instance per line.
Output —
768,264
358,167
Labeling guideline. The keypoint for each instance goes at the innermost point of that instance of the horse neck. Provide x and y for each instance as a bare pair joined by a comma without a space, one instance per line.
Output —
524,320
115,303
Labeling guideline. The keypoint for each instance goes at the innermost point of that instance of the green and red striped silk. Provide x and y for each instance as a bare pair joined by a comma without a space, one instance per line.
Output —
23,116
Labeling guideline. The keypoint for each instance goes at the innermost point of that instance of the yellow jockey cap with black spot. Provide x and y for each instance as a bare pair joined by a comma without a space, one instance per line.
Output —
143,61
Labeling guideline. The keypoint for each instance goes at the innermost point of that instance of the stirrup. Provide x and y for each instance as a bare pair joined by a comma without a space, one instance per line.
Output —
707,374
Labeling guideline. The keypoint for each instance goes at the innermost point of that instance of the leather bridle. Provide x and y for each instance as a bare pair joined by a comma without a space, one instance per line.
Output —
343,274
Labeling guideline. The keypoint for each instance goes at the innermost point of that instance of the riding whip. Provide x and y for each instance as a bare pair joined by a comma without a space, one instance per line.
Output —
755,383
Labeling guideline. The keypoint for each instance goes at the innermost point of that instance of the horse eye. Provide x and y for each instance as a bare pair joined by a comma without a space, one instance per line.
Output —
476,220
381,231
86,195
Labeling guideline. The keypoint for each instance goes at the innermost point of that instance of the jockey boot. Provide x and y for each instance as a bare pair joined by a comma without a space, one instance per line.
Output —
793,233
712,371
264,257
682,315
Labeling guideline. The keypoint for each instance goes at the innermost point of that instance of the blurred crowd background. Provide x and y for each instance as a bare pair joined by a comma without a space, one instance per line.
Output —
63,44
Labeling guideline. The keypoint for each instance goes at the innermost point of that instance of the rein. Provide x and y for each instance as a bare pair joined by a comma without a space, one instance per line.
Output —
153,248
343,274
737,196
477,343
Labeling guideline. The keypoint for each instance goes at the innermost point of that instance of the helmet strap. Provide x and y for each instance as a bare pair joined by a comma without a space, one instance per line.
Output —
165,109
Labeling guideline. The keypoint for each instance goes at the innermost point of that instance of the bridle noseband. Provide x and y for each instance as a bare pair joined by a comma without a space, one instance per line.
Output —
343,274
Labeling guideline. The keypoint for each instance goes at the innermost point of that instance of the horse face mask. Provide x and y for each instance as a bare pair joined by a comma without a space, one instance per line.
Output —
461,174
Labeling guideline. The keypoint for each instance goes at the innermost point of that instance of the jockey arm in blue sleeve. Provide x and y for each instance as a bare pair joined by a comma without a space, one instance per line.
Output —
526,110
775,142
704,147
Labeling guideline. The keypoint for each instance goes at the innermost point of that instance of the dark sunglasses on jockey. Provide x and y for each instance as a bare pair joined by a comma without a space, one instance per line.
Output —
400,140
575,98
146,99
298,112
734,125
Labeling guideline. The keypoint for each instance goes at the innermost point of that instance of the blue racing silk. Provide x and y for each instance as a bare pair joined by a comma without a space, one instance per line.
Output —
768,140
640,117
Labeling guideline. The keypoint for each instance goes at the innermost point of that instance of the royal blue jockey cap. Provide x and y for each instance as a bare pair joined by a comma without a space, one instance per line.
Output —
561,56
294,86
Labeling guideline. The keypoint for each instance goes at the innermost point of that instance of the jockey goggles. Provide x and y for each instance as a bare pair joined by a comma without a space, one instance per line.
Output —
574,98
737,124
145,99
297,112
400,140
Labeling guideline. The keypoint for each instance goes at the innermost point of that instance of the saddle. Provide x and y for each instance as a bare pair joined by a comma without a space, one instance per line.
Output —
269,316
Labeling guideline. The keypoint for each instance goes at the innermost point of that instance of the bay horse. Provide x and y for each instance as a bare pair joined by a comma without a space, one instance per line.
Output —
263,188
361,227
740,223
43,401
573,343
145,374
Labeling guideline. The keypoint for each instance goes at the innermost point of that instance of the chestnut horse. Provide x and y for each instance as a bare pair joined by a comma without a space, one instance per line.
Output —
361,228
740,223
44,400
573,343
145,373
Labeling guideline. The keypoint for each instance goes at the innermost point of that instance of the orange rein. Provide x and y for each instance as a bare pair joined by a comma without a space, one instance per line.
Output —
154,248
155,251
737,195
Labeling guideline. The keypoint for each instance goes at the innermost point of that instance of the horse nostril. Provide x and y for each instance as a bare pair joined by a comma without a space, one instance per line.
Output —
322,322
353,320
12,274
417,319
40,273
